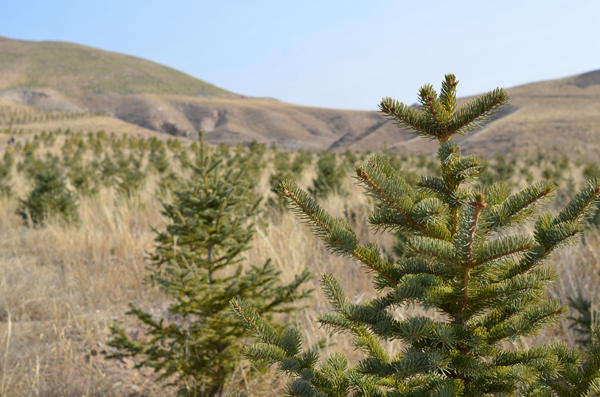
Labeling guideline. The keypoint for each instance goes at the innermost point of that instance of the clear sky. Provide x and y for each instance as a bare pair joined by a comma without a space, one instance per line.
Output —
340,54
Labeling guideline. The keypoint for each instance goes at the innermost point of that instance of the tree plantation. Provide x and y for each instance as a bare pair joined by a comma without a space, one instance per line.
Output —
137,265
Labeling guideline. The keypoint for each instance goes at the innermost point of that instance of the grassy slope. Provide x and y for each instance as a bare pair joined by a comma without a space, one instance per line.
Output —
76,69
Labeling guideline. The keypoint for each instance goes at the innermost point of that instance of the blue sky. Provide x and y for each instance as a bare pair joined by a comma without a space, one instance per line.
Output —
340,54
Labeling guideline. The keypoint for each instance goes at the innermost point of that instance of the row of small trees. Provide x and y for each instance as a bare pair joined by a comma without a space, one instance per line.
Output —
11,116
58,181
89,162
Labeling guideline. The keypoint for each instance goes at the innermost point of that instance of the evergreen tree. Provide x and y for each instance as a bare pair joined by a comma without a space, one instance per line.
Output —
159,159
286,167
301,160
584,321
84,178
197,263
464,261
168,183
330,176
131,176
50,195
108,171
6,174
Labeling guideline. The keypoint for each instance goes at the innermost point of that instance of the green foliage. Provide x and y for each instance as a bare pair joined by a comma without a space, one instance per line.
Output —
333,377
197,263
572,372
576,372
159,159
286,167
168,183
330,175
499,171
591,170
130,177
50,196
595,218
108,171
84,179
301,160
6,174
584,321
350,158
465,257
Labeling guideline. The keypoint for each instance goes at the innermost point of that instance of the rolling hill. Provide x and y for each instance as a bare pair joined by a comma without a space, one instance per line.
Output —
47,85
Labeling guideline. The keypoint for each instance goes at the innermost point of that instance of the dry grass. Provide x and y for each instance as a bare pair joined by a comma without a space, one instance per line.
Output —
60,289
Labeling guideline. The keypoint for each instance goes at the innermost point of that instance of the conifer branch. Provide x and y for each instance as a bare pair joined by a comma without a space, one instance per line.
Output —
501,248
448,93
336,232
386,196
480,109
406,117
428,98
516,207
435,249
580,204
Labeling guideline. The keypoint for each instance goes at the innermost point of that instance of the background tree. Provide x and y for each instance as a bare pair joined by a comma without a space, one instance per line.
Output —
131,175
6,166
49,197
465,261
197,263
330,175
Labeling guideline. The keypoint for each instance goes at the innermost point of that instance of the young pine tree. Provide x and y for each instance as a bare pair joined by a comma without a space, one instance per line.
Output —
6,166
198,264
483,279
50,195
131,176
330,176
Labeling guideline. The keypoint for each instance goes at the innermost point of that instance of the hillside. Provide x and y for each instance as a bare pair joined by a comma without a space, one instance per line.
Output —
77,70
39,78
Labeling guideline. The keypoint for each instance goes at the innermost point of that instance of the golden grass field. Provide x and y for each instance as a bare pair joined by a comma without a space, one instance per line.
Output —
61,287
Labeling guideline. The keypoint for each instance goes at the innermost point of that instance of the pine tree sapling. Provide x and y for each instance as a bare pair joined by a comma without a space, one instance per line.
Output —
6,175
584,321
84,178
286,167
197,263
464,260
130,177
50,196
330,176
